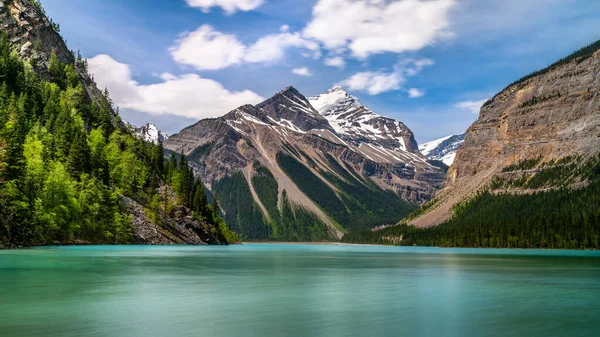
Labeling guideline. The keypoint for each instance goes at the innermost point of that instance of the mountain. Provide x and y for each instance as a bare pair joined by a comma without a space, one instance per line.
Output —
71,172
443,149
150,133
528,172
378,138
281,171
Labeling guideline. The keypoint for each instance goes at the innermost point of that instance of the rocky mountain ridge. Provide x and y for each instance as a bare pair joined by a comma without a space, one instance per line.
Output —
286,142
532,126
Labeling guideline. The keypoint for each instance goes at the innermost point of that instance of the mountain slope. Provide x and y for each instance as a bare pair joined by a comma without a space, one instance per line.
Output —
281,172
70,171
443,149
528,173
37,40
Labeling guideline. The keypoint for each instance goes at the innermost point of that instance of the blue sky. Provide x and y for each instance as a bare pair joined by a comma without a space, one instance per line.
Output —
428,63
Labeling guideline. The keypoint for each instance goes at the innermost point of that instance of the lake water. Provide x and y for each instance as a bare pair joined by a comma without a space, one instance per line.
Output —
298,290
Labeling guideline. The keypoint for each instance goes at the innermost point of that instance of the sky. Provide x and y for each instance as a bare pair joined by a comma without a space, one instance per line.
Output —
428,63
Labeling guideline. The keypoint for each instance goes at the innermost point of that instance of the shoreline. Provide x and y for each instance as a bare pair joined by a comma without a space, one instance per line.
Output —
320,243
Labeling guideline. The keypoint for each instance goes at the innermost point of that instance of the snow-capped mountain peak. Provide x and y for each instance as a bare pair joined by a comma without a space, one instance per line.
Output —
362,127
150,133
334,101
443,149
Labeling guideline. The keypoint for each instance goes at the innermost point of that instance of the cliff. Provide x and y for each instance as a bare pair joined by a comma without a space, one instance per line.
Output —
542,118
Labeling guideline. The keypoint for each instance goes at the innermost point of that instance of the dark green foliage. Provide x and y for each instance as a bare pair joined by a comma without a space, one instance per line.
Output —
242,214
560,219
527,164
291,223
358,204
63,166
561,173
539,99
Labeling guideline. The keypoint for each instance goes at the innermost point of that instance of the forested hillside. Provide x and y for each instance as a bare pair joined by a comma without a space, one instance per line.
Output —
65,167
558,217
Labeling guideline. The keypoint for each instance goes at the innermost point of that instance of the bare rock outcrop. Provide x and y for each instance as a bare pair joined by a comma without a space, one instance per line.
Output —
178,228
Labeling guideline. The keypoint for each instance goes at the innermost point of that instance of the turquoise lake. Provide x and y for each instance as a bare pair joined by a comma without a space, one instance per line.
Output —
298,290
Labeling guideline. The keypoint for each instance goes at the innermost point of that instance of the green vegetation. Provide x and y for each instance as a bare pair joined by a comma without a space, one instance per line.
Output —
526,164
40,8
64,165
357,205
539,99
561,218
243,214
292,222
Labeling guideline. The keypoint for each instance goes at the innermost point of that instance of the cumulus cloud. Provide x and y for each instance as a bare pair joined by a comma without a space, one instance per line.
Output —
207,49
302,71
415,93
229,6
188,95
368,27
471,106
335,61
377,82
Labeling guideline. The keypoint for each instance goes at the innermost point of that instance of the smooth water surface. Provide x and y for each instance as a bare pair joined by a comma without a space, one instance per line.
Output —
298,290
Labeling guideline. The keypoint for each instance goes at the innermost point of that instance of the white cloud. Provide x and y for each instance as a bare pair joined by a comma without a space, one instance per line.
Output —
302,71
188,95
229,6
411,67
377,82
335,61
271,48
373,83
284,28
368,27
415,93
207,49
470,106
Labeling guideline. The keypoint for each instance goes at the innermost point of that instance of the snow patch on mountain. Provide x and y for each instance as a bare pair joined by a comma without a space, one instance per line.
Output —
443,149
358,125
150,133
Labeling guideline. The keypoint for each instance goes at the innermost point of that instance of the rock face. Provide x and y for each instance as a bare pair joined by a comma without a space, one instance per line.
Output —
443,149
179,227
35,38
285,144
551,115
